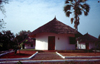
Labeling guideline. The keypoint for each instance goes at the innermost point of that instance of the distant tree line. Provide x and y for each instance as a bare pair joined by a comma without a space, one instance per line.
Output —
6,40
10,41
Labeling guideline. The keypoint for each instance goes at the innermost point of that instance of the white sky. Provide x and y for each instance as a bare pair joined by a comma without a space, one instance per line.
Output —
31,14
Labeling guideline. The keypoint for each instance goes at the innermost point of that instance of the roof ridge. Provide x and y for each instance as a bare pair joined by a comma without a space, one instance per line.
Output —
90,35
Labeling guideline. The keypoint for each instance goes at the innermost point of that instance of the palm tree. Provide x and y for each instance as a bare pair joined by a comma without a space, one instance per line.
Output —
76,7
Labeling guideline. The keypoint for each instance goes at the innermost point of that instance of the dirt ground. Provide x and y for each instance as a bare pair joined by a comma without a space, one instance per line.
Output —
97,62
80,54
50,56
20,54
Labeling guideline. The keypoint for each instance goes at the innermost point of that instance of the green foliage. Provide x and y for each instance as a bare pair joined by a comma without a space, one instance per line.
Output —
2,2
6,40
2,23
19,62
29,49
20,38
1,44
99,37
25,41
22,35
76,7
21,45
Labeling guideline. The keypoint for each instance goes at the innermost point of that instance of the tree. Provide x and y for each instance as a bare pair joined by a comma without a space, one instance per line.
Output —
6,40
2,2
99,37
1,44
76,7
2,9
98,1
22,36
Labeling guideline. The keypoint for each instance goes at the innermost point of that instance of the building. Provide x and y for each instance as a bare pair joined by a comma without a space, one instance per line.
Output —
54,35
28,43
86,41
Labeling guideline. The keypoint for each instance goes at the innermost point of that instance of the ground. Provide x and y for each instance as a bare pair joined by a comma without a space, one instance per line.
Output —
65,63
20,54
81,54
49,56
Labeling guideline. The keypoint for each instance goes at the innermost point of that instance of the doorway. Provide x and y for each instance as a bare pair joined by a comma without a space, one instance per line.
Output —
51,43
87,46
23,46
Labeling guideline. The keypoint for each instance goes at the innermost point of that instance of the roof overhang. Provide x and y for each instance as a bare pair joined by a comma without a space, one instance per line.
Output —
34,35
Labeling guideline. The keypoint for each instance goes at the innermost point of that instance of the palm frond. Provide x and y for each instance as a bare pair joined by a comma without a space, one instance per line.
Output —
67,7
81,6
68,13
82,0
86,7
72,20
71,0
66,2
78,11
78,7
85,13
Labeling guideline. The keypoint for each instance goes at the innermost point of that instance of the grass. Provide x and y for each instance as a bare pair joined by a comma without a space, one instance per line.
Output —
28,49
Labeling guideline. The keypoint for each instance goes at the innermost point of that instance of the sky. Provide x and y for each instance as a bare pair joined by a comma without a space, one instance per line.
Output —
31,14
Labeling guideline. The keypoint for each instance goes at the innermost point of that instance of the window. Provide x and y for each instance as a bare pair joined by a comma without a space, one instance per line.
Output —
72,40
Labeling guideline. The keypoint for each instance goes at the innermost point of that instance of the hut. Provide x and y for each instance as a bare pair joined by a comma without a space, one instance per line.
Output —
86,41
54,35
28,43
